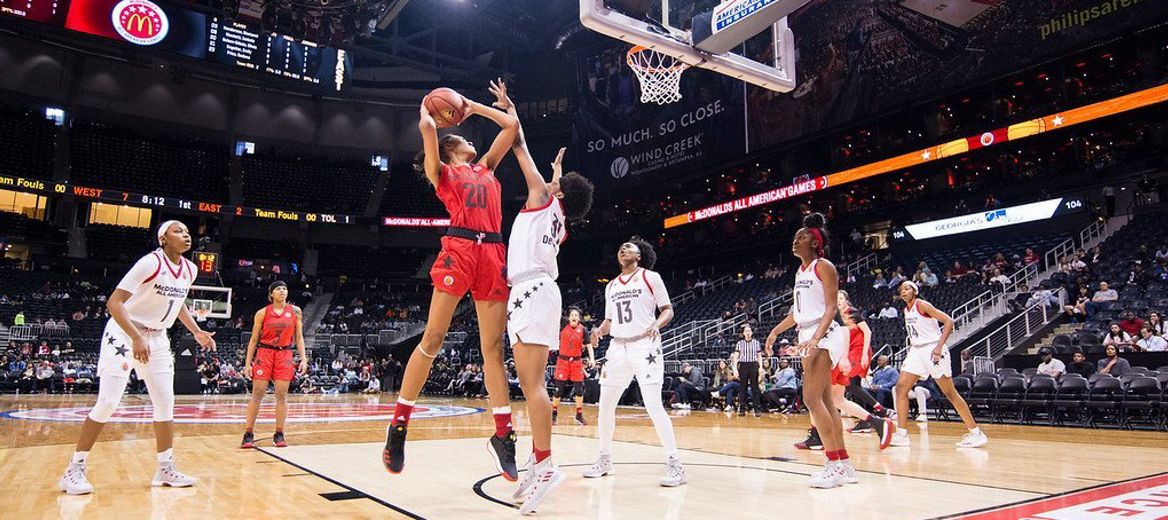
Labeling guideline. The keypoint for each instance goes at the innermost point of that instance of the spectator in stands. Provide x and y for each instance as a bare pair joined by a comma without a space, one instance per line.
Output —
1077,311
879,282
1113,364
373,386
1078,266
730,387
1138,276
898,277
1116,337
1104,294
1040,295
18,320
786,388
44,376
28,380
957,272
1131,324
1049,365
1031,257
931,278
883,381
1079,365
888,312
690,385
967,365
999,278
1149,342
1156,323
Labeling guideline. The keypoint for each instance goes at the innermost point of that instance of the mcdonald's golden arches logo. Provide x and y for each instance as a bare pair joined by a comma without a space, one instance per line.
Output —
140,22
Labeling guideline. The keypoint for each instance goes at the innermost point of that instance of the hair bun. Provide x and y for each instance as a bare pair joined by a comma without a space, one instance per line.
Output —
814,220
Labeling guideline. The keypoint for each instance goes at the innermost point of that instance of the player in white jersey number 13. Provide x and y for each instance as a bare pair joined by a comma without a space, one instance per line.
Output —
822,342
636,307
146,303
927,356
533,312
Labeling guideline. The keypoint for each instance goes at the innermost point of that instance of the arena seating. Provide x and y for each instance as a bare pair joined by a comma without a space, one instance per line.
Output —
31,142
408,194
117,243
285,181
106,157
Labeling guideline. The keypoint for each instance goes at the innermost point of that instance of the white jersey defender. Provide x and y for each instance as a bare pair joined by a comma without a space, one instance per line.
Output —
631,304
158,289
808,308
924,332
533,312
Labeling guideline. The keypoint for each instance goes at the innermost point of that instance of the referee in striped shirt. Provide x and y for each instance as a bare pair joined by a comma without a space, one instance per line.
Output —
746,355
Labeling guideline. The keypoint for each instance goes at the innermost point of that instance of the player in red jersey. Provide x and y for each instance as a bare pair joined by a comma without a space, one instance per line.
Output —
276,328
570,365
473,258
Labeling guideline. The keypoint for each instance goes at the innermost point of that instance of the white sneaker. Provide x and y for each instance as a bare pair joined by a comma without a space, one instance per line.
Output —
849,472
74,482
833,475
602,467
973,440
675,406
900,439
547,478
520,494
674,473
168,475
922,417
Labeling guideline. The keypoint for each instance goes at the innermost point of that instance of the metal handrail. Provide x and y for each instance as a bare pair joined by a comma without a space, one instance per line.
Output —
1003,339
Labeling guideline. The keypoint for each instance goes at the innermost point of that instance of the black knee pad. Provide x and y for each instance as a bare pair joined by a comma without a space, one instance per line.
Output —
560,385
578,388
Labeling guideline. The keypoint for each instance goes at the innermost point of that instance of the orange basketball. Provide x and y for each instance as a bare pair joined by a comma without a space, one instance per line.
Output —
447,107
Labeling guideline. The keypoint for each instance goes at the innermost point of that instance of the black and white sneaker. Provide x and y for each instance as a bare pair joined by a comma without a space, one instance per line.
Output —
502,450
862,427
812,442
248,441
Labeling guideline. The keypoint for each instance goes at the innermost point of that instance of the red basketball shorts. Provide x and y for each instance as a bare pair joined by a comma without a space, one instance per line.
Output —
273,365
464,265
570,370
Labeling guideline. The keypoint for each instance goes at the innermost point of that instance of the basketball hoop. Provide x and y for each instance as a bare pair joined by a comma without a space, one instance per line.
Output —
659,74
201,309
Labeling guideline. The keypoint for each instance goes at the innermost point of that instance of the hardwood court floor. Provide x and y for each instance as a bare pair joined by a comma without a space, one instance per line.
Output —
738,467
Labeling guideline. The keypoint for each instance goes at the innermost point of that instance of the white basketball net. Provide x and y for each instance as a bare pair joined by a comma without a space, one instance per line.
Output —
659,74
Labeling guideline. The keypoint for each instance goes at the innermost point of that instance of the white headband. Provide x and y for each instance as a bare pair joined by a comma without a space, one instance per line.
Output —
633,247
162,229
910,283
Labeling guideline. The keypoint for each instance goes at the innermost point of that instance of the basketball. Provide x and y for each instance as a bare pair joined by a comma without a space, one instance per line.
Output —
447,107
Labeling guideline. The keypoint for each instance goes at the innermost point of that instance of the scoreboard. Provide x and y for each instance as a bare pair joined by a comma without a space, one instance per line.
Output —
44,11
177,30
43,187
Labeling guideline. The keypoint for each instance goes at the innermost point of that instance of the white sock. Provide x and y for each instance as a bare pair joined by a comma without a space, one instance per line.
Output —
976,430
901,431
406,402
79,457
166,456
501,410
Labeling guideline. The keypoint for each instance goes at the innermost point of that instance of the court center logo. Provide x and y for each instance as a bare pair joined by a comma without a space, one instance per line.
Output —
235,412
140,22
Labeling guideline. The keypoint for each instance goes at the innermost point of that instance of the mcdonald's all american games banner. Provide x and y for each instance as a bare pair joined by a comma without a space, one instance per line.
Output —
143,23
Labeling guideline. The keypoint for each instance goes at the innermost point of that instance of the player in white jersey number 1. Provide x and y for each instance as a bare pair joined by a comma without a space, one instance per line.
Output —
145,304
636,307
533,312
927,356
822,342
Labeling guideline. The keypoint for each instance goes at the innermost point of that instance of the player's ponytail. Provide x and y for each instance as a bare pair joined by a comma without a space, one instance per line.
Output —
814,223
445,147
